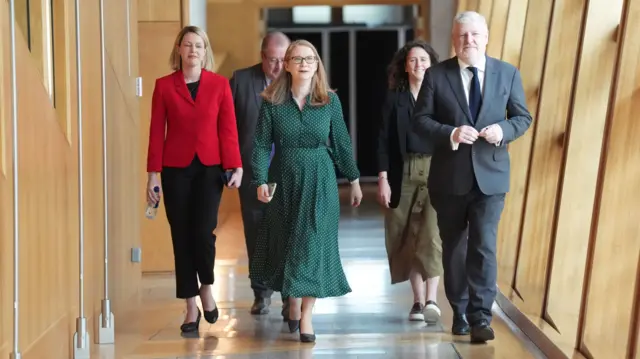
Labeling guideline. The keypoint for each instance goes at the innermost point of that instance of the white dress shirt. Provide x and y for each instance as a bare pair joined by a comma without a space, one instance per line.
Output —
467,76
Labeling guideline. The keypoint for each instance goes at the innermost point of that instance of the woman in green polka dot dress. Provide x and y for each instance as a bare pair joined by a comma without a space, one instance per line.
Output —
297,247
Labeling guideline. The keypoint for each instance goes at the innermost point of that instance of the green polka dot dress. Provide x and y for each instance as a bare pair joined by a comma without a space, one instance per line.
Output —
297,246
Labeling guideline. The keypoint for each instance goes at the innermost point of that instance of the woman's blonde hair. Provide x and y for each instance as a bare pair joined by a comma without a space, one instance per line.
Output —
176,61
279,90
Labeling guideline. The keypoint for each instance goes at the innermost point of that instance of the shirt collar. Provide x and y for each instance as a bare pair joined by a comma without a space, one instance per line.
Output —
481,65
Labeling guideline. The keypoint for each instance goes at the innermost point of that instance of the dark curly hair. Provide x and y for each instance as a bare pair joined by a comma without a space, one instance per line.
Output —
397,76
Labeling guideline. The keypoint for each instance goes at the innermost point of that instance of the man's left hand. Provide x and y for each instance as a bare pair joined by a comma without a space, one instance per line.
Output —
492,134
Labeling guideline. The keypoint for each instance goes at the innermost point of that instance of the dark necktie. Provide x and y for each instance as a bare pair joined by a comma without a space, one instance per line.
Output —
475,96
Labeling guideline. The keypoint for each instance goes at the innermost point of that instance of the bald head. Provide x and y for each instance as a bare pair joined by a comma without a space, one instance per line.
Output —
273,48
277,39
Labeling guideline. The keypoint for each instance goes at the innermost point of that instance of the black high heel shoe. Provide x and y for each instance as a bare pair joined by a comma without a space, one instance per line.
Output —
294,325
191,326
211,316
307,338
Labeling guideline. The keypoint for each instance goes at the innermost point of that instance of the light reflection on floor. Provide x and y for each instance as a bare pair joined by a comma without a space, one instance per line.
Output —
371,322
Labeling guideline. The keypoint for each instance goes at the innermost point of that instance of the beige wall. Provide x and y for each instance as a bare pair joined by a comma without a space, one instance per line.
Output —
48,178
440,20
235,29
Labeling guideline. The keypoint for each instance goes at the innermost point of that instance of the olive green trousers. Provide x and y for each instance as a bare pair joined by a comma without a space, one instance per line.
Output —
412,237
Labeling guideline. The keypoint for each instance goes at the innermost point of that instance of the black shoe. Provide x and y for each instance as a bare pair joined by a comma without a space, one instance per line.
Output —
415,314
260,306
191,326
294,325
211,316
285,311
307,338
481,332
460,325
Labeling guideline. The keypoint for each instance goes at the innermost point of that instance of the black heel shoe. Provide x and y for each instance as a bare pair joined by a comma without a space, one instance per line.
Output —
191,326
307,338
294,325
211,316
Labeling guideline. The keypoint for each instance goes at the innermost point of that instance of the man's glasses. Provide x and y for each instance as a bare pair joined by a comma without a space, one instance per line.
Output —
275,60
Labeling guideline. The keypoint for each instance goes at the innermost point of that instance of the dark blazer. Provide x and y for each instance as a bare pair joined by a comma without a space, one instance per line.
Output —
206,126
392,139
246,86
442,106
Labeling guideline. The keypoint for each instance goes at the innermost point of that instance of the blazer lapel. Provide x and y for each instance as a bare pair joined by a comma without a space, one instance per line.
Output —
489,88
453,75
403,117
181,86
258,83
203,89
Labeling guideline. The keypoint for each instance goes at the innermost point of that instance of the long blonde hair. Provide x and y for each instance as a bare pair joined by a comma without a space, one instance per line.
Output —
278,92
176,61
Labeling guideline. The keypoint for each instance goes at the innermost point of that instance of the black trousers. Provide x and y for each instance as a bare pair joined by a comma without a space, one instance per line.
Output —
192,199
468,227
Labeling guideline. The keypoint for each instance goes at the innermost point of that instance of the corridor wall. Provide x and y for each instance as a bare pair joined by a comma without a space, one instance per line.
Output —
569,239
48,172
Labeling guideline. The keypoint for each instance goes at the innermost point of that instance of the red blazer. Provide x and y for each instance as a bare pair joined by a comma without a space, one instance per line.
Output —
206,126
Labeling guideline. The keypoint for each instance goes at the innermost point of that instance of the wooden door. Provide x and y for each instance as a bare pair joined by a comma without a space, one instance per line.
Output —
155,41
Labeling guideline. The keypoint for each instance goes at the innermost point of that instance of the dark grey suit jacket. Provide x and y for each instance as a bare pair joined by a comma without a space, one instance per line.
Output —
442,106
246,86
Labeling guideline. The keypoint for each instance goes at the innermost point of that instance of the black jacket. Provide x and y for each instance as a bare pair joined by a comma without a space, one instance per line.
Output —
392,139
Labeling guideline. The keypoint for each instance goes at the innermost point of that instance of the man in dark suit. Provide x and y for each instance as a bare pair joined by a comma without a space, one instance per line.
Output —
246,86
472,106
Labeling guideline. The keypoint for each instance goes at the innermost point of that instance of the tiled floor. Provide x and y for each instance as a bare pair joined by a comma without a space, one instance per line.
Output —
441,351
371,322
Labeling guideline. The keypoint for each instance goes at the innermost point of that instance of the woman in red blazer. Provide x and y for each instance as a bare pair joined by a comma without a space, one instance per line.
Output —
193,142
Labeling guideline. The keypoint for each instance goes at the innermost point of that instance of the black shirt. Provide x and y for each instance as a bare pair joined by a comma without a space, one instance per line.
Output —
193,89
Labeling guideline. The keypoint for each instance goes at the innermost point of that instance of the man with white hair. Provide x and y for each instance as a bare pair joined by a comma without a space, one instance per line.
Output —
472,106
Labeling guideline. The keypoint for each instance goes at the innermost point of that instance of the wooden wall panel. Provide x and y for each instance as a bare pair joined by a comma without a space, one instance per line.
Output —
5,111
159,10
583,146
497,27
546,158
48,180
6,215
514,31
569,238
235,29
156,235
485,7
612,295
532,65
